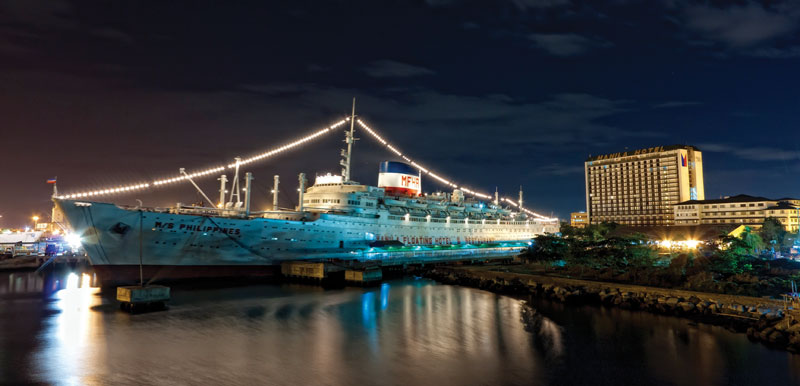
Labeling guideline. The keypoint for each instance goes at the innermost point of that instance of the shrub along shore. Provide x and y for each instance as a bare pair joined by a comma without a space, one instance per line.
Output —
762,319
743,265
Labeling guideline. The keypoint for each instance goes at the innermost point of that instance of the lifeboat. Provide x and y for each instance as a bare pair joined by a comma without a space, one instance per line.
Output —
457,216
393,202
397,211
418,213
417,205
437,206
473,209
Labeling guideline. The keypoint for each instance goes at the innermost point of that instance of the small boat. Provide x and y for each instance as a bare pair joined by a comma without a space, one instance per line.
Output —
417,205
393,202
437,206
473,209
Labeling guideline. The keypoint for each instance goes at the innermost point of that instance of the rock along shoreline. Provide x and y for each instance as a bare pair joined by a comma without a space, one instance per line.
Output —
761,319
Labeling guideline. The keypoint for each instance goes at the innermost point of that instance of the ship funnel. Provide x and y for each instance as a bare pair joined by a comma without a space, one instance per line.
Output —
399,179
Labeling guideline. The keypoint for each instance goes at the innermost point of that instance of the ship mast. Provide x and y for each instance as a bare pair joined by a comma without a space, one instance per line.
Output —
349,139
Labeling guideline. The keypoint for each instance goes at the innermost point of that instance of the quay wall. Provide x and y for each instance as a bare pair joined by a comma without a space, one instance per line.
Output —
762,319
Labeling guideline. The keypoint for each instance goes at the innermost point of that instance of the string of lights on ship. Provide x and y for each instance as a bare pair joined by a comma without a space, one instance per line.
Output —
276,151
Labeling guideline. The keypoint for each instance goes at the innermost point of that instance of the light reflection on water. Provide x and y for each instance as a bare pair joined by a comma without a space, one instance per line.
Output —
77,330
402,332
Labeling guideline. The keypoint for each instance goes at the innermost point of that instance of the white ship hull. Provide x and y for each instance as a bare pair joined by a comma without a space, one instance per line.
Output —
175,245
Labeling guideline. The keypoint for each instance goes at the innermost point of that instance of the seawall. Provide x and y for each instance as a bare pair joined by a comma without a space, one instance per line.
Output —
762,319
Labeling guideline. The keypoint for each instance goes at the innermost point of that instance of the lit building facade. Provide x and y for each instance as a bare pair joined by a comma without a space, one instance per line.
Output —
578,219
641,187
741,209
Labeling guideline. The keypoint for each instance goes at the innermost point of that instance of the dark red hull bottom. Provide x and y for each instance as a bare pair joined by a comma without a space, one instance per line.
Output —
110,275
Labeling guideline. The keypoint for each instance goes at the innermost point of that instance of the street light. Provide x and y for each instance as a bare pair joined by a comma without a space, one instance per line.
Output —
35,221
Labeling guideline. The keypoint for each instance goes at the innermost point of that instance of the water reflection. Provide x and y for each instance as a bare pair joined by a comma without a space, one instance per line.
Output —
73,340
21,283
403,332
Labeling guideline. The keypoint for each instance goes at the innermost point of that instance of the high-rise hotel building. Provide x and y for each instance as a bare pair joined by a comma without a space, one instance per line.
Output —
640,187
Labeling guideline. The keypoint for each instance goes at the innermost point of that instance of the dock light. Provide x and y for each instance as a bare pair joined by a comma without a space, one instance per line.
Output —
73,240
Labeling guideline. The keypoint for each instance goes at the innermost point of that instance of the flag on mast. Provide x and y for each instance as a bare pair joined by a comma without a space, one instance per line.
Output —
51,181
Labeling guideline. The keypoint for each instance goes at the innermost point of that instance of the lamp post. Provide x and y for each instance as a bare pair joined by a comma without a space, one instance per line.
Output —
35,222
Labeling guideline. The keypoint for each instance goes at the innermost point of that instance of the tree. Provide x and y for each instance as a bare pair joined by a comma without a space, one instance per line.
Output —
772,232
732,256
547,247
598,232
753,242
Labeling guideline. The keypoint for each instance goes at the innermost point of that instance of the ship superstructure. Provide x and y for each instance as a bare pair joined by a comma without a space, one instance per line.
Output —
335,219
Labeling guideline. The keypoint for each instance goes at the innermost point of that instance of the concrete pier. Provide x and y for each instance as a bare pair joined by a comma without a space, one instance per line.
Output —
136,298
363,276
304,270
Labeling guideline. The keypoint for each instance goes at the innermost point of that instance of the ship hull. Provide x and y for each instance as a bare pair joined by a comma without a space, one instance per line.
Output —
109,275
180,245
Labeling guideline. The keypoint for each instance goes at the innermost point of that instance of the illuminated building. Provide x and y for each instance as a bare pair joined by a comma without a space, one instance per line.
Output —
741,209
640,187
578,219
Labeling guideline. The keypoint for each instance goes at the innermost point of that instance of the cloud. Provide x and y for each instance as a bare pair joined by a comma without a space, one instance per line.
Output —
522,5
567,44
439,3
672,104
537,4
112,34
776,53
753,153
560,169
45,14
517,127
313,67
742,26
394,69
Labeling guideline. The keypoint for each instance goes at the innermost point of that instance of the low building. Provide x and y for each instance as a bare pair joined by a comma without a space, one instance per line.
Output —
579,219
741,209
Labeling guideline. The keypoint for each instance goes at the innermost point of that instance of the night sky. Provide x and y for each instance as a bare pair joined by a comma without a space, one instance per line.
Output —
487,93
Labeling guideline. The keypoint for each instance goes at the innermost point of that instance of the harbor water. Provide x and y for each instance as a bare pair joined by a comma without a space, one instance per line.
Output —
58,329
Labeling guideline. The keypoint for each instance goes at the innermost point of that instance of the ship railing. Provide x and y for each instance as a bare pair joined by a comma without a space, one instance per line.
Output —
209,211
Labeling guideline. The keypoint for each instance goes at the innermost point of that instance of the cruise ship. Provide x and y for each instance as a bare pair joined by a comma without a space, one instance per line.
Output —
336,220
